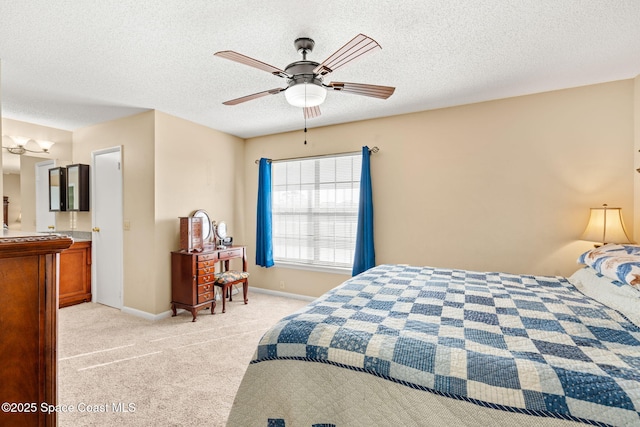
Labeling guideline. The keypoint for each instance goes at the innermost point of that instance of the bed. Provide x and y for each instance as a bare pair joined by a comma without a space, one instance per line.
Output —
404,345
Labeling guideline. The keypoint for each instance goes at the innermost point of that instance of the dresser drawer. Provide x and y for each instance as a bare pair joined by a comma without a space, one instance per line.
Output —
207,296
229,253
206,264
207,287
206,270
208,257
207,278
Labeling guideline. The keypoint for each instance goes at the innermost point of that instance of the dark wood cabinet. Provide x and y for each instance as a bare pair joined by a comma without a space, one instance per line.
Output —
75,274
69,188
58,189
78,187
28,346
193,277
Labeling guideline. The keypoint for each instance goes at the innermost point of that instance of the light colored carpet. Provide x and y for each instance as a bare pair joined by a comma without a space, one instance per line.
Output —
118,369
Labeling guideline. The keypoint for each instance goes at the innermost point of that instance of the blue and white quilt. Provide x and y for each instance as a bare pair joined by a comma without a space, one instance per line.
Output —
524,344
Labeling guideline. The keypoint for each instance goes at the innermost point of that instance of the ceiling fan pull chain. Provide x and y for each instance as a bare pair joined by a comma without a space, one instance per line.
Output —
305,116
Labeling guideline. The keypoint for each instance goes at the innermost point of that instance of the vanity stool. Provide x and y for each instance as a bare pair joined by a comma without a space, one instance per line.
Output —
227,279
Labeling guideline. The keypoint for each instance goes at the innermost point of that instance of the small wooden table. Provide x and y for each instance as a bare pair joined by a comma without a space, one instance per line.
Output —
193,277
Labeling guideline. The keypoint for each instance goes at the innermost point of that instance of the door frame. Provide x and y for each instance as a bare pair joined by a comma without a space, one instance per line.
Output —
119,230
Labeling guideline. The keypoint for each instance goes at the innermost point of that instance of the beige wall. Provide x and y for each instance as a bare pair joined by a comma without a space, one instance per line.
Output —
503,185
195,168
636,156
171,167
1,133
135,134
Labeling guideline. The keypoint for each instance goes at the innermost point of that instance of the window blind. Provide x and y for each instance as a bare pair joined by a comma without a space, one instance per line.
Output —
315,210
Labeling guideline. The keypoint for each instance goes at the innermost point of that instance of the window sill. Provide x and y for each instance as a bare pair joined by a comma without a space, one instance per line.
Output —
312,267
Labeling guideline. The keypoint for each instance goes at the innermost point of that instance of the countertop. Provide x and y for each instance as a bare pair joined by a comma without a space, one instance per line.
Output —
21,243
77,236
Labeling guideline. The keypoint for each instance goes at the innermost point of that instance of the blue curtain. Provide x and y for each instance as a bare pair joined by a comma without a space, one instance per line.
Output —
365,256
264,244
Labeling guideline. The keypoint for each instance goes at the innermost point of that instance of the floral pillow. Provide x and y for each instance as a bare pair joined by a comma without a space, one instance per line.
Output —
617,262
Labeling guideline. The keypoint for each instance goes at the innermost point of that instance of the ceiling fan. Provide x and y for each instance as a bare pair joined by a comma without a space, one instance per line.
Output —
305,87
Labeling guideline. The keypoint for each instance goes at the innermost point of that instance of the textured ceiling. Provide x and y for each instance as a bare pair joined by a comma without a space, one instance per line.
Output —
68,64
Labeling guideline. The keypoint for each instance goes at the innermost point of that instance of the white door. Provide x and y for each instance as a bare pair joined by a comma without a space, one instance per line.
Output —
107,218
44,218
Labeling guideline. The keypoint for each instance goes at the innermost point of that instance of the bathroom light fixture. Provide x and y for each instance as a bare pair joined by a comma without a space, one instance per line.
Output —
606,226
18,145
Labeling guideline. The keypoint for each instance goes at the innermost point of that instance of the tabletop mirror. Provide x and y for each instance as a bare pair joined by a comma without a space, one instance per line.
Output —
221,233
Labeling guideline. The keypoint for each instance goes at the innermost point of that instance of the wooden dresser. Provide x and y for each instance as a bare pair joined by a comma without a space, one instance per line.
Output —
192,277
28,331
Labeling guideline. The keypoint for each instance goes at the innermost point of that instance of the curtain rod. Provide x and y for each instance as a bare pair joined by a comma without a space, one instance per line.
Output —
371,150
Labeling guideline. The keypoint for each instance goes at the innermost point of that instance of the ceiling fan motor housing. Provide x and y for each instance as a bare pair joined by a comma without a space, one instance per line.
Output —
305,88
302,72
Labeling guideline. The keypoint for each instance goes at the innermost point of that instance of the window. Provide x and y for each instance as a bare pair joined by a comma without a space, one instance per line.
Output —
315,210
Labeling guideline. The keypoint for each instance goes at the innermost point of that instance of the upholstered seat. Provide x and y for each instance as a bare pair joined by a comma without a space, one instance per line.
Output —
227,279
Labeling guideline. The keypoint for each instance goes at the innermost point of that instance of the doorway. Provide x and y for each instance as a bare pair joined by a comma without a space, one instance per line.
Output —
107,231
45,219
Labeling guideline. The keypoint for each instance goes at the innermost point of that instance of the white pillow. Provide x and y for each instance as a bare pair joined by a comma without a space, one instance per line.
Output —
612,293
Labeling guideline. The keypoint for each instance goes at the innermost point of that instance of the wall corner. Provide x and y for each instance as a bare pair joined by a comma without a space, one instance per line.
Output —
636,158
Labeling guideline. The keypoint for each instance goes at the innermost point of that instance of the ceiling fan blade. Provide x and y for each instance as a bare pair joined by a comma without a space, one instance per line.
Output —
254,96
358,46
312,112
375,91
242,59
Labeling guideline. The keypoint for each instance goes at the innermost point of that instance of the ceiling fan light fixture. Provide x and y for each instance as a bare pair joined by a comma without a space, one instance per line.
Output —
315,95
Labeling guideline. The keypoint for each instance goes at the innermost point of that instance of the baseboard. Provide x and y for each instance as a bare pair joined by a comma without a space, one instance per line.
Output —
145,315
281,294
168,313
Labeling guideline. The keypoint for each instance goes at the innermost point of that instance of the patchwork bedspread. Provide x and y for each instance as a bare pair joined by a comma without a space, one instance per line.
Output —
526,344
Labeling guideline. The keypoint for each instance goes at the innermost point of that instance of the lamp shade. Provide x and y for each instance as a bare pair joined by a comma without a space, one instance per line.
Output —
315,95
20,141
45,145
606,225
